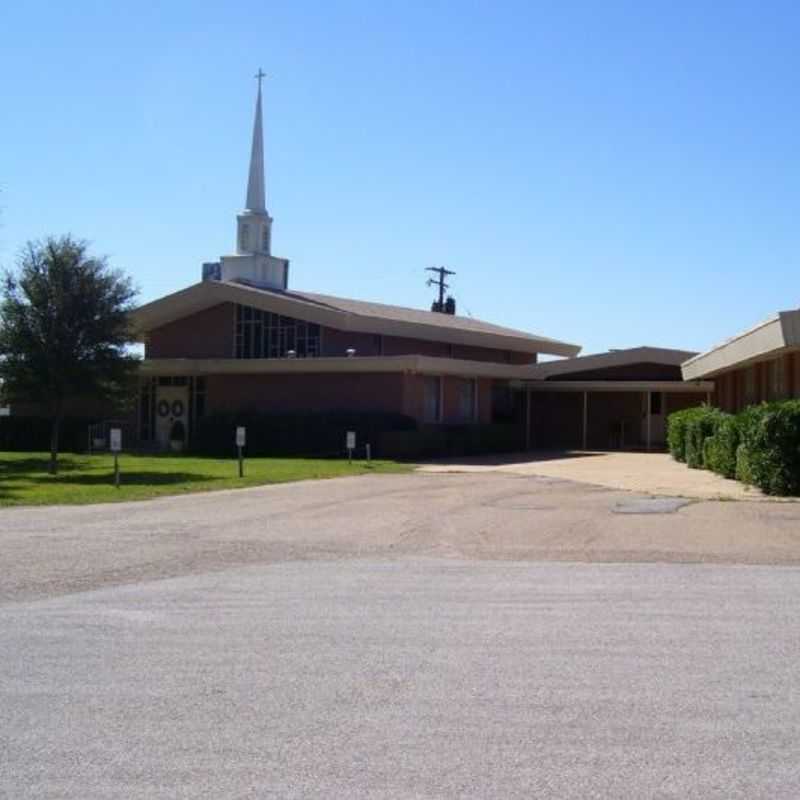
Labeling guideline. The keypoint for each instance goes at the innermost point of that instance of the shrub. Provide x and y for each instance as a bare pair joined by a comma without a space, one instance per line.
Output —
699,426
31,434
743,472
294,434
719,450
759,446
676,432
709,452
771,436
452,440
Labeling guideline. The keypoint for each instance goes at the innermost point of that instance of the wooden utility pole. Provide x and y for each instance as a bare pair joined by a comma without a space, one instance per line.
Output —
440,282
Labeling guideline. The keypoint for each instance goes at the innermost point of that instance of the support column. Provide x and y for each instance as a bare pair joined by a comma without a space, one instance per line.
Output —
585,420
527,417
648,398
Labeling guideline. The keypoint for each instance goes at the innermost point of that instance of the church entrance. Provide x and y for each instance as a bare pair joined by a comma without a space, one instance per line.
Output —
172,417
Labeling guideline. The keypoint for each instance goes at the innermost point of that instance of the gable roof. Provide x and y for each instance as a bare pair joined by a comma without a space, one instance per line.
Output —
349,315
780,332
613,358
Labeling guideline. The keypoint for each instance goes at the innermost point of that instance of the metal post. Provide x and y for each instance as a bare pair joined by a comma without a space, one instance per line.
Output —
527,417
369,452
585,420
241,462
116,470
649,401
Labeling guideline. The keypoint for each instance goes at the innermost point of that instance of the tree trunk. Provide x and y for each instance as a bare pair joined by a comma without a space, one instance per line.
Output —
54,431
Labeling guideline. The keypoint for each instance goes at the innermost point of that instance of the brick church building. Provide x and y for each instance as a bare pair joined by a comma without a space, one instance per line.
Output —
242,339
244,342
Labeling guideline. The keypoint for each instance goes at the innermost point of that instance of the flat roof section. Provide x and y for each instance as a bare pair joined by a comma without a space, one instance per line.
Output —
684,387
613,358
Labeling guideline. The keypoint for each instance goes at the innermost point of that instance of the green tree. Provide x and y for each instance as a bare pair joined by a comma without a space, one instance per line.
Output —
64,329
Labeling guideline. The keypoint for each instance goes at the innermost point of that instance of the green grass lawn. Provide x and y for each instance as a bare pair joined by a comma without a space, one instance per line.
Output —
90,479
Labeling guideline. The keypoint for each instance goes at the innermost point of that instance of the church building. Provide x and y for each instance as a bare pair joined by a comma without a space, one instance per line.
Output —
243,339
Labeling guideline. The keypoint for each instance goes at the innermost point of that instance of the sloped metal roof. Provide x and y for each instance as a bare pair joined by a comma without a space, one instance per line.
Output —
348,314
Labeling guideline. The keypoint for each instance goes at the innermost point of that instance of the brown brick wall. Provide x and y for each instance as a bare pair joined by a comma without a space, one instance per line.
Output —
414,399
308,392
677,401
731,395
210,334
336,343
206,334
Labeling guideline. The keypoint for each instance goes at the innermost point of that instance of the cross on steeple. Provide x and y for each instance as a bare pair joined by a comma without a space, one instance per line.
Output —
259,76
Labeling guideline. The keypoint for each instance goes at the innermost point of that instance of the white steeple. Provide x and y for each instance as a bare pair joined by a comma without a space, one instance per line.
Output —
254,261
255,181
254,232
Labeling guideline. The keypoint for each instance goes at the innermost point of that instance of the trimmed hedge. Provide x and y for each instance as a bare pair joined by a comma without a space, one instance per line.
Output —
759,446
700,425
677,424
743,471
294,434
719,453
32,434
454,440
771,439
687,431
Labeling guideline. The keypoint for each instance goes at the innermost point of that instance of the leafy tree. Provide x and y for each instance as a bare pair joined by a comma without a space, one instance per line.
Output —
64,328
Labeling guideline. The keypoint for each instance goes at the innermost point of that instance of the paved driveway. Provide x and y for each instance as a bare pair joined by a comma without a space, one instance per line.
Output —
406,636
651,473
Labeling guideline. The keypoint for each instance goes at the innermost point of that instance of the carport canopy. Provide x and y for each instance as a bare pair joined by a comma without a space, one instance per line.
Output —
585,387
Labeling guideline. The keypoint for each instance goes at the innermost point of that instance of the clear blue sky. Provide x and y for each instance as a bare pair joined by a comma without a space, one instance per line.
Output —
612,174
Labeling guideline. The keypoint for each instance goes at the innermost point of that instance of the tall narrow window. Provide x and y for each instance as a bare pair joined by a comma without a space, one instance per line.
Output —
466,400
432,411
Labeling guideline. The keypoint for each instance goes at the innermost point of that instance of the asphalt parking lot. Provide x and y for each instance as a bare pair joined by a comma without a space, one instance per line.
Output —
401,636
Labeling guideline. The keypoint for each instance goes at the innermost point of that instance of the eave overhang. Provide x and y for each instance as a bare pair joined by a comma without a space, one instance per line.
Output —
681,387
425,365
769,339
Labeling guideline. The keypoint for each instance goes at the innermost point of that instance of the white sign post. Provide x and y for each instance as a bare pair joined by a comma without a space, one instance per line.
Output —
115,440
351,444
241,438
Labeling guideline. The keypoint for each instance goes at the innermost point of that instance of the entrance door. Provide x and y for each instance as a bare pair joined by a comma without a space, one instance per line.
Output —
172,405
658,425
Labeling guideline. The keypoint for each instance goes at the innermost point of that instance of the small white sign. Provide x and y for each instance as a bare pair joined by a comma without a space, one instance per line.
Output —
5,411
115,435
351,440
241,436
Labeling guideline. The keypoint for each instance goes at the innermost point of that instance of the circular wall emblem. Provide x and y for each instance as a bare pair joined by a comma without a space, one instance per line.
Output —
163,408
177,408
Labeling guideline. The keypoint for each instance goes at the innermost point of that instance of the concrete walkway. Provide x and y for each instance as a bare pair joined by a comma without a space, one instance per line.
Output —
648,473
